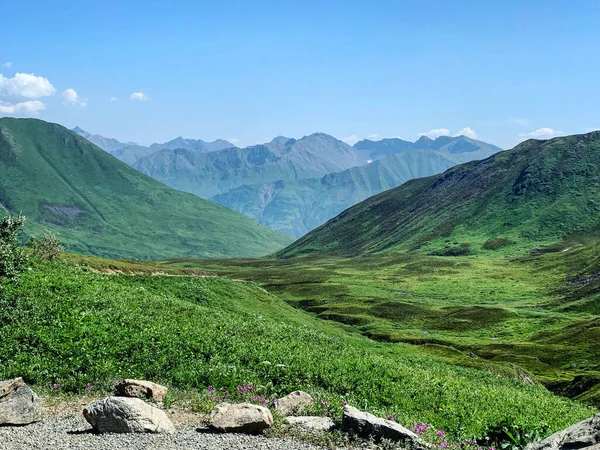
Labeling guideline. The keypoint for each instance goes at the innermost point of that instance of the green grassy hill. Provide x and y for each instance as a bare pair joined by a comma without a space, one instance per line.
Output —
68,326
99,205
533,195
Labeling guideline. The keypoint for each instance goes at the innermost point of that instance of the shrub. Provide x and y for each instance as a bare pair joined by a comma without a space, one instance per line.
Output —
12,256
460,250
48,248
497,243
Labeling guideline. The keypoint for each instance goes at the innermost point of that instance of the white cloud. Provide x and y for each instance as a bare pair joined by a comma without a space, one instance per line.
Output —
373,136
28,108
7,64
233,141
350,140
138,96
468,132
432,134
113,99
541,133
25,85
590,129
72,98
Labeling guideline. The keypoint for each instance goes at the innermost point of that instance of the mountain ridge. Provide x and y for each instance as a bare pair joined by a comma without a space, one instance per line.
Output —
100,205
532,195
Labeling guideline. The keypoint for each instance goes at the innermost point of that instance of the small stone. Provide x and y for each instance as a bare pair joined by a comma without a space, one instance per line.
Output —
127,415
365,424
240,418
311,423
19,405
293,402
141,388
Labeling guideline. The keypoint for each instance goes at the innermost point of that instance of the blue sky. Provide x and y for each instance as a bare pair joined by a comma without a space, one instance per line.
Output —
250,70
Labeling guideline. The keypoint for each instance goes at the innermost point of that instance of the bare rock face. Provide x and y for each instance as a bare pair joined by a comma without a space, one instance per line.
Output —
293,402
311,423
240,418
367,425
127,415
141,388
19,405
582,435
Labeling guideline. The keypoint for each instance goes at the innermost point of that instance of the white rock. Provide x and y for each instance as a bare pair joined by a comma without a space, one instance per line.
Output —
19,405
367,425
582,435
311,423
293,402
240,418
127,415
141,388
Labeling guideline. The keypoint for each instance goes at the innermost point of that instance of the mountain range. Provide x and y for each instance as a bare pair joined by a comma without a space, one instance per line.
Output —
295,185
99,205
531,196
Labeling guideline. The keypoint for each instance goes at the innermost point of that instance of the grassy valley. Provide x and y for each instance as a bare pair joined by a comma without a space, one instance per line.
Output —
68,326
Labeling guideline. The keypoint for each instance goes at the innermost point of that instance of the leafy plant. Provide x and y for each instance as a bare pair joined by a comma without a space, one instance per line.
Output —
12,256
48,247
510,436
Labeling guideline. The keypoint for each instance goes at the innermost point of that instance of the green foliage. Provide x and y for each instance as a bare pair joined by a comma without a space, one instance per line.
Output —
12,256
510,436
70,326
104,207
458,250
48,247
497,243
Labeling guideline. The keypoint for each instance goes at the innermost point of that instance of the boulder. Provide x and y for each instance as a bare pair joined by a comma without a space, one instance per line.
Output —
126,415
240,418
141,388
19,405
582,435
311,423
364,424
293,402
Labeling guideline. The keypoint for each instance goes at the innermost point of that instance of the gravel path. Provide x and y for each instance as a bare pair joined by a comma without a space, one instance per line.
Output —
62,431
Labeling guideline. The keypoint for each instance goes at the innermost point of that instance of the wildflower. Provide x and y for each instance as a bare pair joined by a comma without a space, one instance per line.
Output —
210,389
54,386
344,402
324,404
241,389
444,445
391,417
225,393
89,386
249,387
440,433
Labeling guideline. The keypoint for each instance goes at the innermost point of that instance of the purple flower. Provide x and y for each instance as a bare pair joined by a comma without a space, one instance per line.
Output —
210,389
89,386
444,445
391,417
54,386
324,404
440,433
344,402
241,389
249,387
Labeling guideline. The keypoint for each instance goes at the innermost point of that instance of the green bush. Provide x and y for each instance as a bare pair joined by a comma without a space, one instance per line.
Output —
48,248
12,256
497,243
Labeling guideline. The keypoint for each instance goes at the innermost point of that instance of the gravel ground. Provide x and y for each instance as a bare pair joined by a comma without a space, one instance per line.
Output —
67,430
